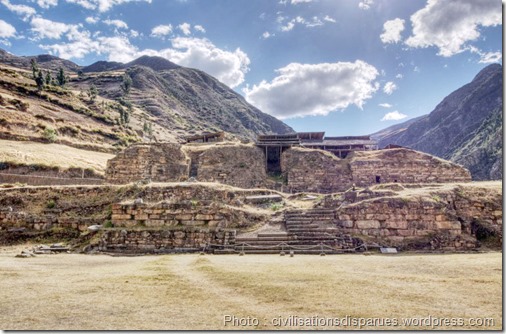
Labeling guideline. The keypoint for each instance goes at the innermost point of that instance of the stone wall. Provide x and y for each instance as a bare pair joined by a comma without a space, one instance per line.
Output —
156,162
307,170
404,166
238,165
162,241
182,214
443,220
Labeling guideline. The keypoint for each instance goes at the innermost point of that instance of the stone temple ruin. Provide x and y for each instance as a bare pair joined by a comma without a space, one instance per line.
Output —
276,165
301,162
302,193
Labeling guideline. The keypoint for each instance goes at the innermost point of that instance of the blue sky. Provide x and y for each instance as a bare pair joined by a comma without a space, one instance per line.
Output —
347,67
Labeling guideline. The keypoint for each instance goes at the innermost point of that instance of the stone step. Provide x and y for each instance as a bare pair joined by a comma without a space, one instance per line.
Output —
310,230
296,225
261,242
246,239
272,234
324,211
298,252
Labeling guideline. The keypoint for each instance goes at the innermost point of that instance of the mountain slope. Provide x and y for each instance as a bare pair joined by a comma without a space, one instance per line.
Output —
466,127
176,101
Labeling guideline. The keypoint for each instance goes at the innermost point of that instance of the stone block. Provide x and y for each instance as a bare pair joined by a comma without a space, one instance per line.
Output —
204,217
367,224
396,224
184,217
192,222
448,225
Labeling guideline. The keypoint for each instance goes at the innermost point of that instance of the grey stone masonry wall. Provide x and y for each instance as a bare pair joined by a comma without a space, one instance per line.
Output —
307,170
403,166
162,241
157,162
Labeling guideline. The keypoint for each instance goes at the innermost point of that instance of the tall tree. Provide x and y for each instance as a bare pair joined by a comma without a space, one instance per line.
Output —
35,68
126,84
48,78
60,77
39,80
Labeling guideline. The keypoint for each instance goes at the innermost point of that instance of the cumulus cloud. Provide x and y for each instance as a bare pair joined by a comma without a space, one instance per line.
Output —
199,28
389,88
91,20
23,10
6,30
266,35
185,28
43,28
487,57
161,30
385,105
229,67
392,31
450,25
47,3
102,5
329,19
365,4
116,23
393,116
314,89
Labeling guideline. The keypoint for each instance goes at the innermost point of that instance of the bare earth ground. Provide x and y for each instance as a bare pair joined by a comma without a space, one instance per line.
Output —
71,291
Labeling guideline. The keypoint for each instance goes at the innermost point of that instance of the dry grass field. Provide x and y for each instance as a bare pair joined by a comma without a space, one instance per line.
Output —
27,153
98,292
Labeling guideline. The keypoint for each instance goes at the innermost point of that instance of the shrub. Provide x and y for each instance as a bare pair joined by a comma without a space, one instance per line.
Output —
51,204
50,134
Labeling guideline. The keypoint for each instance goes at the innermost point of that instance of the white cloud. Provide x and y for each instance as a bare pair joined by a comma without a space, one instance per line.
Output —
227,66
389,88
199,28
305,89
392,31
329,19
266,35
161,30
399,76
487,57
102,5
393,116
48,29
91,20
23,10
296,2
117,23
385,105
450,25
365,4
299,20
6,30
47,3
185,28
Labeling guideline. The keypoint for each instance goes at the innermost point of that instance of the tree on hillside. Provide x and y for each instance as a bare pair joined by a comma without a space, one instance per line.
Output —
60,77
92,93
39,80
35,68
126,84
48,78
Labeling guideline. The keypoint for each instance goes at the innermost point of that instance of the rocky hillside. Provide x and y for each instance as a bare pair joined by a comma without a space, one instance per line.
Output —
466,127
174,101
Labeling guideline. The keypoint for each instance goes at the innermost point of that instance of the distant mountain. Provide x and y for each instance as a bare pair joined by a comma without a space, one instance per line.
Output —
466,127
45,61
179,101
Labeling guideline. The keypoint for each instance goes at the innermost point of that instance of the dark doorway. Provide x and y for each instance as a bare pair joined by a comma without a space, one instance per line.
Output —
378,179
273,159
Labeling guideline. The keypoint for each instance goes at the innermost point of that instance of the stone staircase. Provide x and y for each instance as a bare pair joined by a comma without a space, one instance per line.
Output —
307,232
